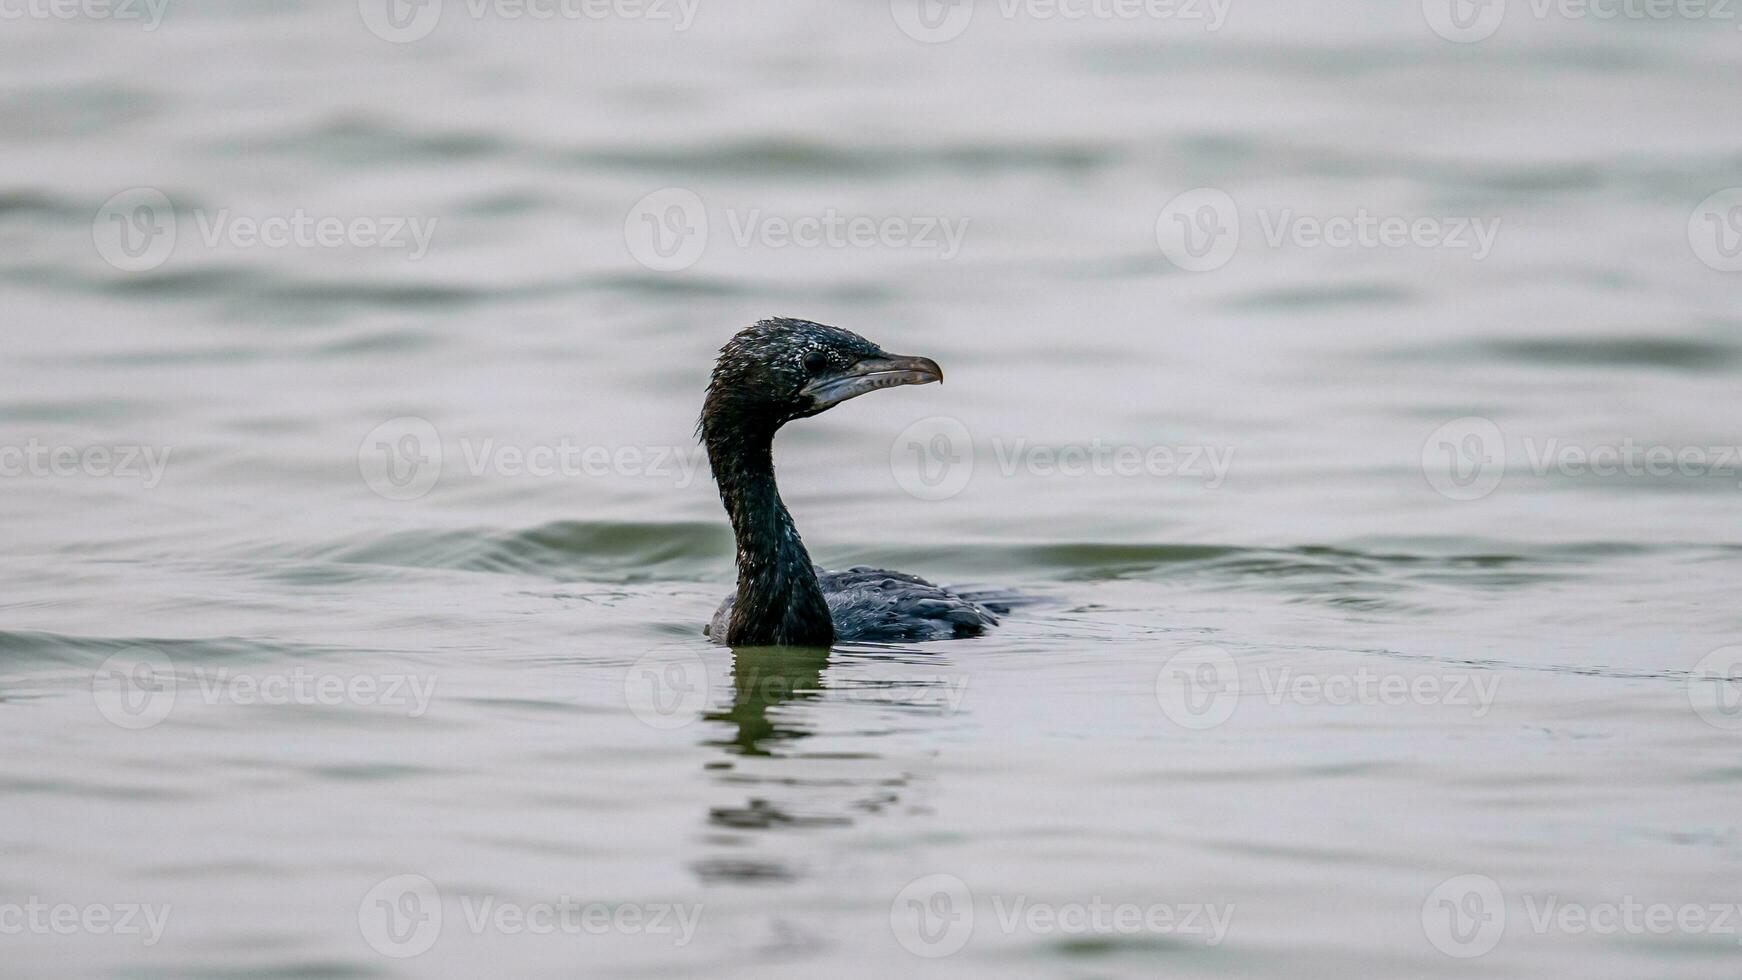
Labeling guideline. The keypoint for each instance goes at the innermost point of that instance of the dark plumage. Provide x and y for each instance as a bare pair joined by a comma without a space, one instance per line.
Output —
769,374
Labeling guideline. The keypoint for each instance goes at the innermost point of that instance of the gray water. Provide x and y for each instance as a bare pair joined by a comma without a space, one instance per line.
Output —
350,609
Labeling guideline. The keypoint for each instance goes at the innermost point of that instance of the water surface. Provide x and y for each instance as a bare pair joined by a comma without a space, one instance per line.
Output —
1201,713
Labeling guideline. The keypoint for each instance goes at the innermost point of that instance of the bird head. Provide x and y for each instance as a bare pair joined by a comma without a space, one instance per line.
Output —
781,369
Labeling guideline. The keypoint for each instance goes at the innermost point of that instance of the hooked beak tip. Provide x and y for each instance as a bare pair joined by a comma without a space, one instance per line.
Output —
925,368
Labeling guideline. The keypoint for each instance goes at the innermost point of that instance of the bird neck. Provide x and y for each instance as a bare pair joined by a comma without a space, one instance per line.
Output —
780,602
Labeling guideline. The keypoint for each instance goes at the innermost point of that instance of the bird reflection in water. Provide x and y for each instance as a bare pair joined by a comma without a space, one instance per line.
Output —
779,697
764,679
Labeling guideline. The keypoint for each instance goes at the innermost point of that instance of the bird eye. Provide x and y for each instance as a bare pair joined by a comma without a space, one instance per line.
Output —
815,361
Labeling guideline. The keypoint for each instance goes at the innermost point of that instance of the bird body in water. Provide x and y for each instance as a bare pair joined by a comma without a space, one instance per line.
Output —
772,373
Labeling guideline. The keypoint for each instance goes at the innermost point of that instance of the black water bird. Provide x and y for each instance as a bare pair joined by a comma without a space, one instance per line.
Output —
768,375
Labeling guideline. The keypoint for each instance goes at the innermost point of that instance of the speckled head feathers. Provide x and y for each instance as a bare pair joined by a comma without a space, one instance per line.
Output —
763,370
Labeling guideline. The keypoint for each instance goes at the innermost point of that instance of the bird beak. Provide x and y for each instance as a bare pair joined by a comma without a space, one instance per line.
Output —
870,374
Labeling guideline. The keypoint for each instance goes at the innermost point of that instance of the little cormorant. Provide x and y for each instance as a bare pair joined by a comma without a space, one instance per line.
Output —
769,374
